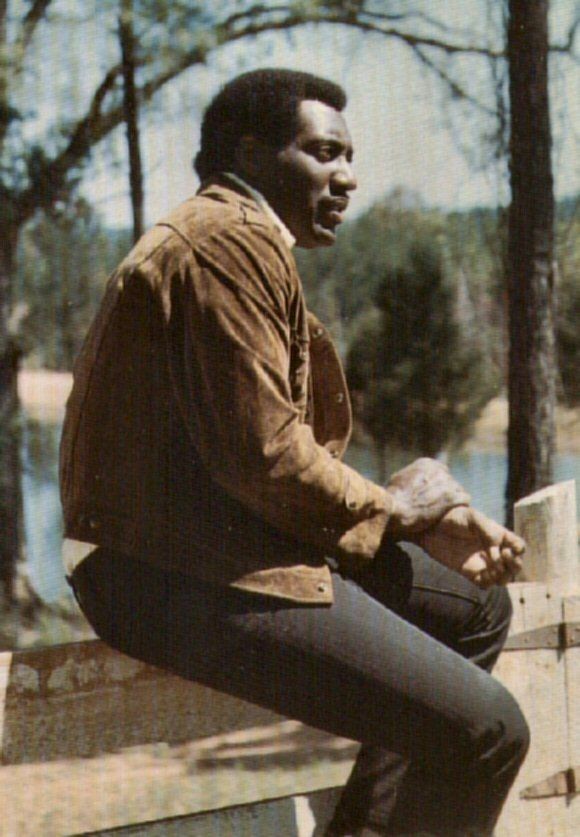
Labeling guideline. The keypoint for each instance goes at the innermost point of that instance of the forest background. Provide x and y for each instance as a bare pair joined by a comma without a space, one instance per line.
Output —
100,105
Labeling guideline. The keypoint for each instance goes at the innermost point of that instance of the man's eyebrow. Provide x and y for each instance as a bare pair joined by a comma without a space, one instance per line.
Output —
327,139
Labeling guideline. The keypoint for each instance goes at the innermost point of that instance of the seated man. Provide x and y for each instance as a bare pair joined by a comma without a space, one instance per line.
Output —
226,540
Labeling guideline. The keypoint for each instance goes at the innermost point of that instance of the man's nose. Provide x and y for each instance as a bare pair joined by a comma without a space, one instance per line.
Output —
344,177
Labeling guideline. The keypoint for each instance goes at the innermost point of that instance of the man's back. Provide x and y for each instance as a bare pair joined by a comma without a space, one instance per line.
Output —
148,433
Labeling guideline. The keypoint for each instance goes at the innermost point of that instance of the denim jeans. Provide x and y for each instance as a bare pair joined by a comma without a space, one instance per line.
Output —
399,662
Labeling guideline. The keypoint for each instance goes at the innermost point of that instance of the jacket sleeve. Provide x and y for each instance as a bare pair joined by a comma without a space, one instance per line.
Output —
230,358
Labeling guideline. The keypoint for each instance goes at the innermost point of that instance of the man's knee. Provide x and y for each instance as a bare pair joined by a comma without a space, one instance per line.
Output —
505,739
517,732
499,608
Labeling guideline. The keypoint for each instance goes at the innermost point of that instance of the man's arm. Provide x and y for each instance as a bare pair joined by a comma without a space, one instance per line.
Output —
238,405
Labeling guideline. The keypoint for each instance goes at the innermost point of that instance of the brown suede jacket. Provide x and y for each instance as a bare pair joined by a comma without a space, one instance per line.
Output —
209,413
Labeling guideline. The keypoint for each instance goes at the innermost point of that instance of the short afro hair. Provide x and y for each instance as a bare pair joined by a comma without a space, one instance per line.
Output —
262,103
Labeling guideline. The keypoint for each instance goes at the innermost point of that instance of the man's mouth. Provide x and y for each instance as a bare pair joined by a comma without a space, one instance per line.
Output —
331,211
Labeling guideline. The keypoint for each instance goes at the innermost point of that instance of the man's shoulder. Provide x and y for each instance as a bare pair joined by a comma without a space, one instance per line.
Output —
216,218
215,212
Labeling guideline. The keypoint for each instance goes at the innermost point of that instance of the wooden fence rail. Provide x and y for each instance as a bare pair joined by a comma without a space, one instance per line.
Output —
65,710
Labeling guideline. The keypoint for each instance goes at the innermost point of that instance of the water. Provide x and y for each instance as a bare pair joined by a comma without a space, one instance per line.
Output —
42,512
482,473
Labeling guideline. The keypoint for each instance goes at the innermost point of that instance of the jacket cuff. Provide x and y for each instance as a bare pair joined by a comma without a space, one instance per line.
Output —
360,543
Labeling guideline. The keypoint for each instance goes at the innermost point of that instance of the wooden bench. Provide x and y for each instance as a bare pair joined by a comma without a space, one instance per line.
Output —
81,722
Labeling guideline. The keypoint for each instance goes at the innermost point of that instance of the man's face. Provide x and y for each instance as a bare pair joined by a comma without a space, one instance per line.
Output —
307,182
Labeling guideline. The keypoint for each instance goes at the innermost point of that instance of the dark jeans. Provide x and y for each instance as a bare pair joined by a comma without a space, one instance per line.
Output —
399,662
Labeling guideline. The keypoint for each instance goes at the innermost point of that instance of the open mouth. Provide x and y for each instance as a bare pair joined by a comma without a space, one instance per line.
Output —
332,211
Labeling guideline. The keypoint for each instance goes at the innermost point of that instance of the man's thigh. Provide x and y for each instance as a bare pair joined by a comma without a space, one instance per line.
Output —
448,607
355,669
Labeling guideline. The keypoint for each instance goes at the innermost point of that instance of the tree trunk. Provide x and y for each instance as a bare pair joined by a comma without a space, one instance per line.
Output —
131,115
10,492
531,433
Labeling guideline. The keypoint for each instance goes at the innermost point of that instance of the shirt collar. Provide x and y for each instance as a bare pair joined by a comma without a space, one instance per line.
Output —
287,236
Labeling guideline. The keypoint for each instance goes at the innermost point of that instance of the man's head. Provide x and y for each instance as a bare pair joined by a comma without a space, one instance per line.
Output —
283,132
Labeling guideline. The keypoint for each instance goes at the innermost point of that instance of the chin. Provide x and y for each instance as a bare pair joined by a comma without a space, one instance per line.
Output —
319,236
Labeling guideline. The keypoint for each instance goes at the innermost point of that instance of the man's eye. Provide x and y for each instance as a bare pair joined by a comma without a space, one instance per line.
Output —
325,153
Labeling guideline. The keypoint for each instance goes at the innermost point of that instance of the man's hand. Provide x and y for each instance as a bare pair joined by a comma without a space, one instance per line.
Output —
423,492
475,546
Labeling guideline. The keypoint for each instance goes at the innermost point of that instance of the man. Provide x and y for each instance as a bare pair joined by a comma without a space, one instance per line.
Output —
221,535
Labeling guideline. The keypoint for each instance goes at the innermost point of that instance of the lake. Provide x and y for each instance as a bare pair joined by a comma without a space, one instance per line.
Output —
482,473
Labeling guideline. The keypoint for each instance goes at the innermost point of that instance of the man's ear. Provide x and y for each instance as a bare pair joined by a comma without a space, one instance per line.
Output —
249,157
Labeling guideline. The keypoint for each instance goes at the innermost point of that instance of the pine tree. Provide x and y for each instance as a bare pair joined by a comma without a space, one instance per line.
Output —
417,366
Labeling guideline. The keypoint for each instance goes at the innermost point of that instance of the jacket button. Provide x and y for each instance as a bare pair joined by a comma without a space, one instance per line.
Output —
94,522
339,397
318,332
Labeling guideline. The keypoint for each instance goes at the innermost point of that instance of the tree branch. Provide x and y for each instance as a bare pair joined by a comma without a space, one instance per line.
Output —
27,28
366,21
31,21
457,91
566,47
50,179
419,40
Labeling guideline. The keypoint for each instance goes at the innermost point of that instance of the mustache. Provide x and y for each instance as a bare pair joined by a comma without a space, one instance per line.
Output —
338,203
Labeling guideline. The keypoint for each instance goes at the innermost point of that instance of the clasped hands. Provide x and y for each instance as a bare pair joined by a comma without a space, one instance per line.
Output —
432,510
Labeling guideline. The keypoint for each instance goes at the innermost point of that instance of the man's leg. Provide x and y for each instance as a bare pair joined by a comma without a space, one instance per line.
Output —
355,669
472,622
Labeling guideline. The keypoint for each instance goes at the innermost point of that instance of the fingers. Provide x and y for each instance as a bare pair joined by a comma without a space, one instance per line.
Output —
513,561
498,535
486,580
513,542
495,567
501,566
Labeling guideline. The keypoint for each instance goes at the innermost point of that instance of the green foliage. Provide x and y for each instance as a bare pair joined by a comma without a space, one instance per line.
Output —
349,273
417,363
63,261
568,311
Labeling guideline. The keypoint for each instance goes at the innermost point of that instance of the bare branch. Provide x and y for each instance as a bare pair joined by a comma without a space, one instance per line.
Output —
28,26
455,88
87,132
377,18
98,122
30,22
260,9
566,47
365,21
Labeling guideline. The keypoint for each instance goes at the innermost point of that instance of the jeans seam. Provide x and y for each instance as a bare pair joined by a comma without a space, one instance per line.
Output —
443,592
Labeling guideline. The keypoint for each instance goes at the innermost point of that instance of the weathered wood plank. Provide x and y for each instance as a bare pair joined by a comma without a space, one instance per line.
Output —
547,522
291,816
537,679
571,612
5,666
83,699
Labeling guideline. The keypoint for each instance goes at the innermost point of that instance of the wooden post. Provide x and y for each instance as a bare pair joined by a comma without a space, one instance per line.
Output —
541,666
547,522
572,617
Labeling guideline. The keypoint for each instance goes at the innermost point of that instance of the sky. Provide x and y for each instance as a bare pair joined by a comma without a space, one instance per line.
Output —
406,132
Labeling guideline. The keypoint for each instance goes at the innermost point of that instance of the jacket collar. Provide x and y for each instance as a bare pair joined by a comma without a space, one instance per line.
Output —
235,183
289,239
